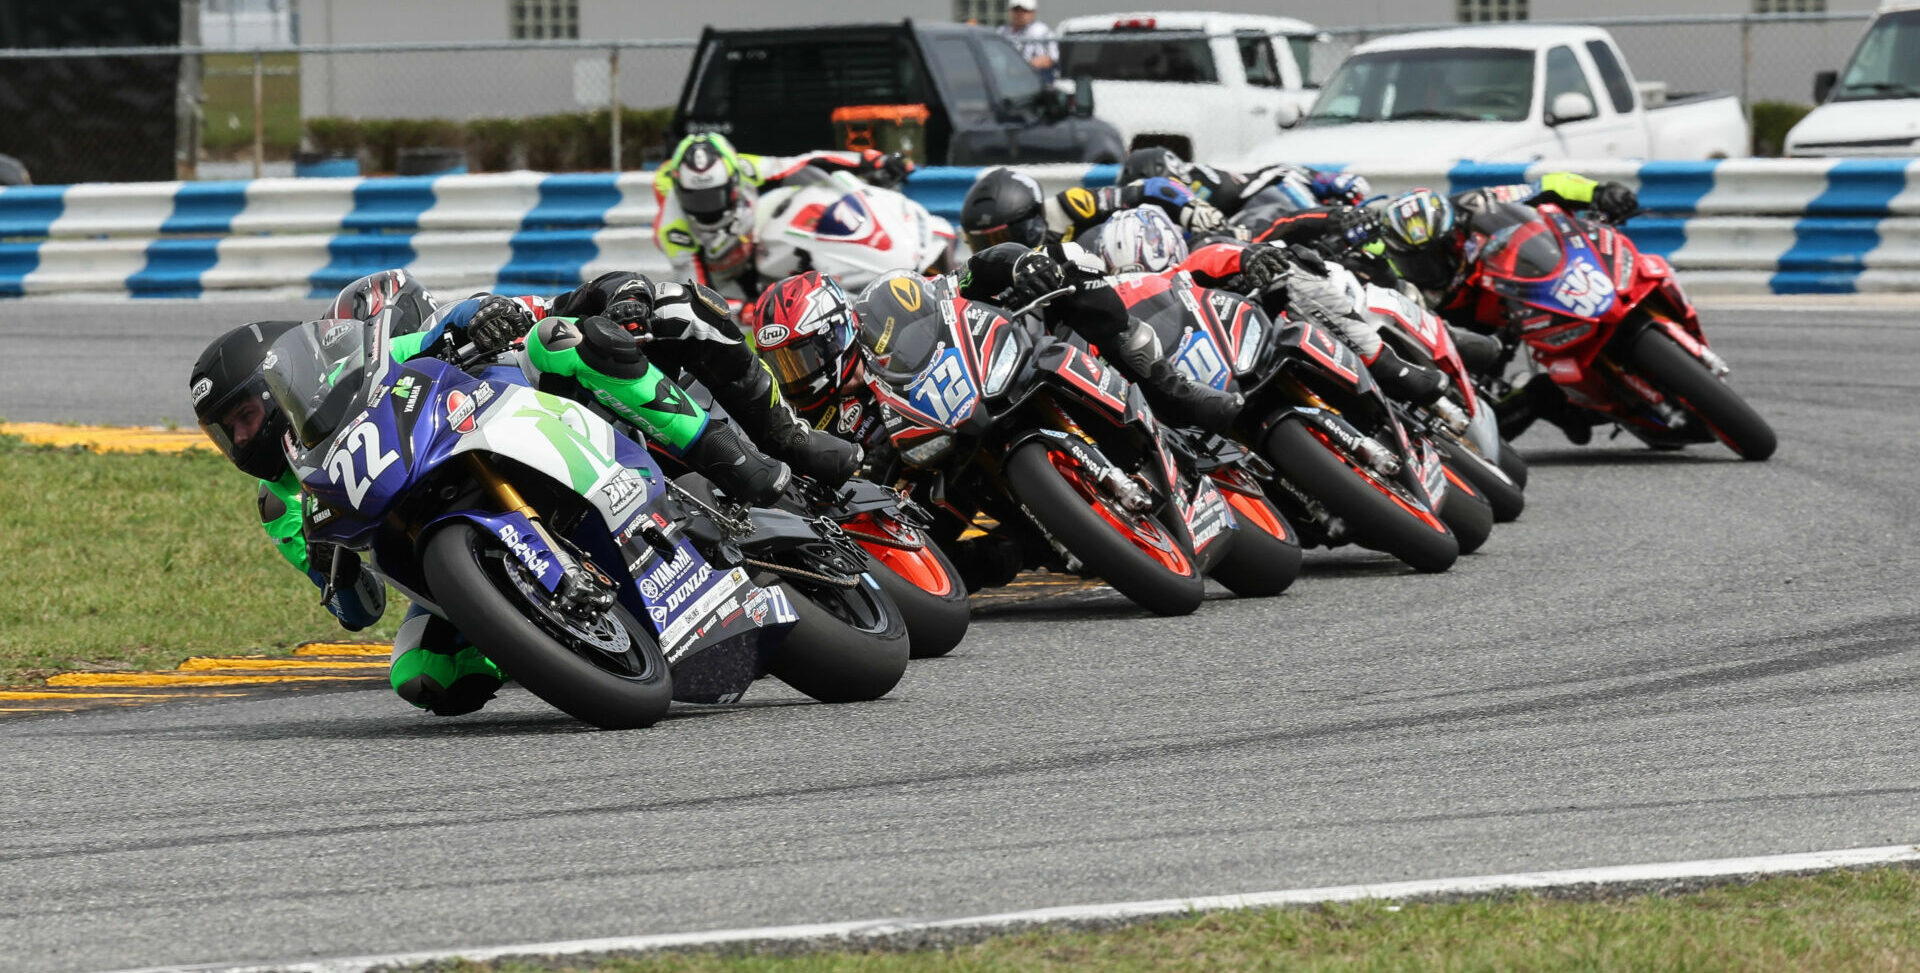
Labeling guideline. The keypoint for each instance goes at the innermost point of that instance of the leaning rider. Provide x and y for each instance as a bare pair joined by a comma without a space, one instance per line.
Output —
1296,187
706,193
433,667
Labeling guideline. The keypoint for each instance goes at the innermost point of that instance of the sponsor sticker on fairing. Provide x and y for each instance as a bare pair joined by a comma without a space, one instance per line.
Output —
533,559
460,408
622,490
689,621
664,575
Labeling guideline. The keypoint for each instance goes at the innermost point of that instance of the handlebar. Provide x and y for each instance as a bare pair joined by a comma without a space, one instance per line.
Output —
1041,301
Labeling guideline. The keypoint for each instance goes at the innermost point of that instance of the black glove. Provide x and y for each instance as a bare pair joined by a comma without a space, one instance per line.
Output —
829,459
1350,225
1615,202
630,314
1308,259
890,170
1260,265
498,321
1034,276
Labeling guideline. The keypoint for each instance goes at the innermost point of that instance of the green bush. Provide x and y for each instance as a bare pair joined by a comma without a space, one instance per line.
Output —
552,143
1771,120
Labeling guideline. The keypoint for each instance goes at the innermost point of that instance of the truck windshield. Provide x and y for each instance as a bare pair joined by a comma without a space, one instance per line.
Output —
1467,84
1887,63
1138,55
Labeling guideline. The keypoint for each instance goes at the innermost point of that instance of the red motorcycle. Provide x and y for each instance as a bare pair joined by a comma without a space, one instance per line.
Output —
1610,325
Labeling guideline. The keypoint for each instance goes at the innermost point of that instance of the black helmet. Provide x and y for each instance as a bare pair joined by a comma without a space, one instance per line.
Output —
1004,206
1154,160
368,296
231,400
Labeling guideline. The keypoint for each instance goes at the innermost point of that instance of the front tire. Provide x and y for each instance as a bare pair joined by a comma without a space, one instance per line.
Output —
471,579
1264,558
1677,373
849,646
1513,464
1376,519
927,589
1165,582
1466,512
1505,497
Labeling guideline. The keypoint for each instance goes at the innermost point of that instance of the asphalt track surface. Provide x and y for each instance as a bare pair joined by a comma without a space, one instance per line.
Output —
1671,656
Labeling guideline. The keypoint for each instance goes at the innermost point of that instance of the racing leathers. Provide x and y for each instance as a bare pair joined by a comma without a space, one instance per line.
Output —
728,262
1073,212
1288,186
1011,276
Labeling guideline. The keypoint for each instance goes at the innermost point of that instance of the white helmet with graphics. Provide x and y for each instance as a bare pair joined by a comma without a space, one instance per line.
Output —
1142,240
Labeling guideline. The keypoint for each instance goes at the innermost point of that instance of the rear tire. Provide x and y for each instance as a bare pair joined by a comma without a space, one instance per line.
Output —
834,660
1506,498
1677,373
935,622
1258,564
1068,516
1469,515
492,614
1374,519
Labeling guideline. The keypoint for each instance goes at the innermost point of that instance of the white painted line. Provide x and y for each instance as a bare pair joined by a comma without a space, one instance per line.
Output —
832,933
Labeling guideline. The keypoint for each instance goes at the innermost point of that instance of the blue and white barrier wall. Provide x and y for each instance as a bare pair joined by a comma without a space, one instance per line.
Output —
1753,226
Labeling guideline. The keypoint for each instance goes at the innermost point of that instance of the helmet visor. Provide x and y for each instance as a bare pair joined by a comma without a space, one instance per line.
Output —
237,420
1030,231
709,206
799,366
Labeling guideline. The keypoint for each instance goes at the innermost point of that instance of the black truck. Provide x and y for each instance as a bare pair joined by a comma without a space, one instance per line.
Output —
774,91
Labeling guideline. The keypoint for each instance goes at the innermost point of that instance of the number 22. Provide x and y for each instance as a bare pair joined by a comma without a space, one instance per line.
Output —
364,439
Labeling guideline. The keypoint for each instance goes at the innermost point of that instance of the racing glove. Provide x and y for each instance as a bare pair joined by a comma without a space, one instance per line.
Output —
1195,215
1261,265
1615,201
887,170
498,321
1343,187
1350,226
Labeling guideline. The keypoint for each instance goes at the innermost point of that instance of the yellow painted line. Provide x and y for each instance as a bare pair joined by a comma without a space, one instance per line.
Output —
108,439
184,679
202,664
33,694
344,648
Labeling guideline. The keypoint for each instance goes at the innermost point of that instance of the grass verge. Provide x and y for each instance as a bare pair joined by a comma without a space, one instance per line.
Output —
138,561
1846,920
229,105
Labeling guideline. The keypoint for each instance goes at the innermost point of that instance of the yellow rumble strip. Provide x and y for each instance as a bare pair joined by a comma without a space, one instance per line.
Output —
108,439
201,677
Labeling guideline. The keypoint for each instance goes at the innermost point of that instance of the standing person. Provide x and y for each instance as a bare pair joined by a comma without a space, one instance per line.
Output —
1033,38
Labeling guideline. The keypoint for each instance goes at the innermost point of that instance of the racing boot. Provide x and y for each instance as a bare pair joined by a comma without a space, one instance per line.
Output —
1404,380
755,404
1548,401
1479,352
437,670
1177,399
739,470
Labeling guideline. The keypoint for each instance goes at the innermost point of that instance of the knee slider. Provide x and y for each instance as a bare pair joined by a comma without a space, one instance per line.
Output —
610,349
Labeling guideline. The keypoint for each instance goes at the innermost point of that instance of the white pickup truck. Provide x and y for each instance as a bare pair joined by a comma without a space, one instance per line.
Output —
1209,86
1500,93
1873,109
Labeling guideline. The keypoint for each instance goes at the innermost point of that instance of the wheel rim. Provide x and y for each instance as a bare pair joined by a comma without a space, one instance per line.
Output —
856,606
602,641
1392,491
920,568
1145,534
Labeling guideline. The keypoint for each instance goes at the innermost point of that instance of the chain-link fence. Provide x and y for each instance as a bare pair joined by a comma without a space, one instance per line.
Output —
568,105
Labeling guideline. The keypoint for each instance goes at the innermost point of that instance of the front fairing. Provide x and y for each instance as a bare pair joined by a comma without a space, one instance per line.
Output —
1550,265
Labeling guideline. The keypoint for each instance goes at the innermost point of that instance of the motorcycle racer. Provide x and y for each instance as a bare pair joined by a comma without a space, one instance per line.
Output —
1298,187
706,193
1005,206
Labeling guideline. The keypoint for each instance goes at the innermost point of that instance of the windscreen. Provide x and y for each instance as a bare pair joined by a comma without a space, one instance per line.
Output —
1887,63
1469,84
316,373
1138,55
1526,251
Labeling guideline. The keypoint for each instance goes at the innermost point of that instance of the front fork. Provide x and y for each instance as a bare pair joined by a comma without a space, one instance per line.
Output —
584,589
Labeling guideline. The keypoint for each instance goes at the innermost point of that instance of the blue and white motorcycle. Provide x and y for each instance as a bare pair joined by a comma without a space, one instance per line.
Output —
556,545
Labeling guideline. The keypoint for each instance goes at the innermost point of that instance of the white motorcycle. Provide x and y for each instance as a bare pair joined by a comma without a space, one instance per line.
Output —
847,230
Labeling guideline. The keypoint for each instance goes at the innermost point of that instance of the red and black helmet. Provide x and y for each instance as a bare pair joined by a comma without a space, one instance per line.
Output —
413,304
803,328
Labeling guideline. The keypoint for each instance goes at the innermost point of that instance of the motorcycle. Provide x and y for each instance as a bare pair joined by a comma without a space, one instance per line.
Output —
846,229
988,413
1461,422
1344,468
1610,325
558,547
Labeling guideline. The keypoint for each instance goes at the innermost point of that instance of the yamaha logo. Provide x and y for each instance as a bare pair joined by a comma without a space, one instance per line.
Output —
906,291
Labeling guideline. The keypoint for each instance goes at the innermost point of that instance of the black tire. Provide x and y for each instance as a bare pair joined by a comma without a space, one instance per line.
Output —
1468,515
1513,464
1259,565
935,623
471,587
1104,549
1507,499
1375,520
832,659
1674,371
